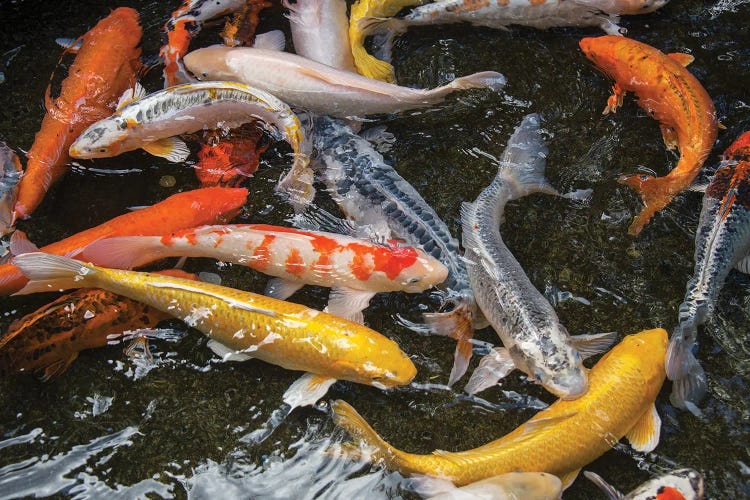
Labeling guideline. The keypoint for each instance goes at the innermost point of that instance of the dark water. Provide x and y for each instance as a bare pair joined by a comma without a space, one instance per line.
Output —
173,427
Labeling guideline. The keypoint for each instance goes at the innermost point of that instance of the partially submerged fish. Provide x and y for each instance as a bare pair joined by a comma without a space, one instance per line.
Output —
356,269
534,340
105,66
240,31
10,175
682,484
153,123
179,211
722,241
559,440
669,94
510,486
318,88
228,158
371,193
320,31
50,338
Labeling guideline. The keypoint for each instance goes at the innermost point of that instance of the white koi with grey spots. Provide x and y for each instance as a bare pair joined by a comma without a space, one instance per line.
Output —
10,175
320,31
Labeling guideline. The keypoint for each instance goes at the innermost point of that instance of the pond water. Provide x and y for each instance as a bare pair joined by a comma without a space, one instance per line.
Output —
174,427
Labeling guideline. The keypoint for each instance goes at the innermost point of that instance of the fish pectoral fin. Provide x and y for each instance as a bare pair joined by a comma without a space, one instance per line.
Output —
492,368
591,345
281,289
682,58
615,100
428,486
59,367
609,490
568,478
226,353
131,95
312,73
170,148
743,265
644,436
20,243
348,303
670,137
271,40
307,390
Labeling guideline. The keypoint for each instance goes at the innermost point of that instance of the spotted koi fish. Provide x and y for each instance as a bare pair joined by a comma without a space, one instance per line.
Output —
50,338
10,176
682,484
722,242
356,269
671,95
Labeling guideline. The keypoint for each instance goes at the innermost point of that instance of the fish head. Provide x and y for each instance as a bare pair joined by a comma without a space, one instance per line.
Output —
603,52
393,367
647,350
103,139
687,484
419,270
556,365
210,63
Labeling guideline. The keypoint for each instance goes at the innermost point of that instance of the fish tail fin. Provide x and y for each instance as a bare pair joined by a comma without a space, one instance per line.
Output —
125,252
50,273
457,324
656,193
483,80
688,378
297,185
389,28
372,67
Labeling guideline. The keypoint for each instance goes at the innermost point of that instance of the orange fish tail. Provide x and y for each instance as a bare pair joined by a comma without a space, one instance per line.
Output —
656,193
457,324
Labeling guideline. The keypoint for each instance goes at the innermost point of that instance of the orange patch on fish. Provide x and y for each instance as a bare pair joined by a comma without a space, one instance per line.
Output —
262,254
294,264
669,493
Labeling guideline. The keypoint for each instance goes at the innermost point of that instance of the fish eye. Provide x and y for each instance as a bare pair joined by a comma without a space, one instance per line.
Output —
204,74
415,279
102,150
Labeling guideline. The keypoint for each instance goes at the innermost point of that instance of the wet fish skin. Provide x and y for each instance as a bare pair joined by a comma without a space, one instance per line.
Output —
510,486
320,31
722,241
682,484
10,175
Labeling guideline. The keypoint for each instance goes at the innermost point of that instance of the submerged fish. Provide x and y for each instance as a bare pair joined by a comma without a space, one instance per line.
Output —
510,486
534,340
671,95
559,440
179,211
153,122
356,269
50,338
228,158
105,66
682,484
320,31
240,31
722,241
318,88
370,192
10,175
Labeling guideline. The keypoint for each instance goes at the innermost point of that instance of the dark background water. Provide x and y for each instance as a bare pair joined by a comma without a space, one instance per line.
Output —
120,427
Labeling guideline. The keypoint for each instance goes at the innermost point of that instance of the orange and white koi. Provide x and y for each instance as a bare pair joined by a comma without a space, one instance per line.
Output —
682,484
10,175
356,269
671,95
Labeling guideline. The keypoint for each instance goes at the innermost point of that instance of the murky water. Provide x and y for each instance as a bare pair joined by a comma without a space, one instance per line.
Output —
174,426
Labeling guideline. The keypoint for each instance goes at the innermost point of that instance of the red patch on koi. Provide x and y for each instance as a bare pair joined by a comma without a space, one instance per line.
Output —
262,254
669,493
294,264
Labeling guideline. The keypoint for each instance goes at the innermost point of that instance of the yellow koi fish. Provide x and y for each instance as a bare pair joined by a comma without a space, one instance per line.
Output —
561,439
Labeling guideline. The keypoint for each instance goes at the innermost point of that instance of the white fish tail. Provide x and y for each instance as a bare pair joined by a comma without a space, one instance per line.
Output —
50,273
125,252
689,384
483,80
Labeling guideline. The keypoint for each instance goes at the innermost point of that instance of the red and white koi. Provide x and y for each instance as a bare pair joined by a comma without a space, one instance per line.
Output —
355,269
682,484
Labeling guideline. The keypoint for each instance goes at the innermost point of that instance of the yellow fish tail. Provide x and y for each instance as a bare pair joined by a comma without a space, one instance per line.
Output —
347,417
371,66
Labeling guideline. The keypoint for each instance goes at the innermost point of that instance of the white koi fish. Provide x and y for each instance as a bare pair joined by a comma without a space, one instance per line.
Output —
320,31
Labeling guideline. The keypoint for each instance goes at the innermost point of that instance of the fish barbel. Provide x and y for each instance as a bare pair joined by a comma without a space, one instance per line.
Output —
534,340
669,94
356,269
318,88
246,324
559,440
682,484
320,31
152,122
10,175
722,241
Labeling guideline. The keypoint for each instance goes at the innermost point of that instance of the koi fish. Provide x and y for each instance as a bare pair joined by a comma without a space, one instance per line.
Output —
10,175
534,340
318,88
241,29
510,486
671,95
320,31
371,193
50,338
179,211
153,122
560,440
227,158
722,241
682,484
105,66
356,269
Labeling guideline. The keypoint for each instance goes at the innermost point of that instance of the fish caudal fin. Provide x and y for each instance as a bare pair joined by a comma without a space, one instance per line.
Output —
457,324
486,79
656,193
345,416
50,273
689,384
297,185
372,67
124,252
389,28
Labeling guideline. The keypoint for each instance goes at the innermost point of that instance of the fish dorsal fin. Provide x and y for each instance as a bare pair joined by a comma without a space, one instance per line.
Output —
20,243
271,40
569,478
131,94
170,148
318,75
609,490
644,436
188,286
681,57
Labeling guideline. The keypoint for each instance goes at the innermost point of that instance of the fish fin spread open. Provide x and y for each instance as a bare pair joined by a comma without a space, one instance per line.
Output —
171,148
457,324
307,390
72,45
348,303
271,40
59,367
609,490
492,368
591,345
345,416
682,58
644,436
483,80
281,289
689,384
297,185
50,273
743,265
20,243
372,67
615,100
227,353
131,94
569,478
124,252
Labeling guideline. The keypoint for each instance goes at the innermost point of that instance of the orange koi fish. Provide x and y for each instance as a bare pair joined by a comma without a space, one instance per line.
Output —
671,95
179,211
106,65
227,160
50,338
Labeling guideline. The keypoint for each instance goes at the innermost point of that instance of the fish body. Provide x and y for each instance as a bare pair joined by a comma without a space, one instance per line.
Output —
318,88
227,159
151,121
671,95
559,440
179,211
50,338
722,241
105,66
320,31
370,192
289,335
682,484
10,175
510,486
